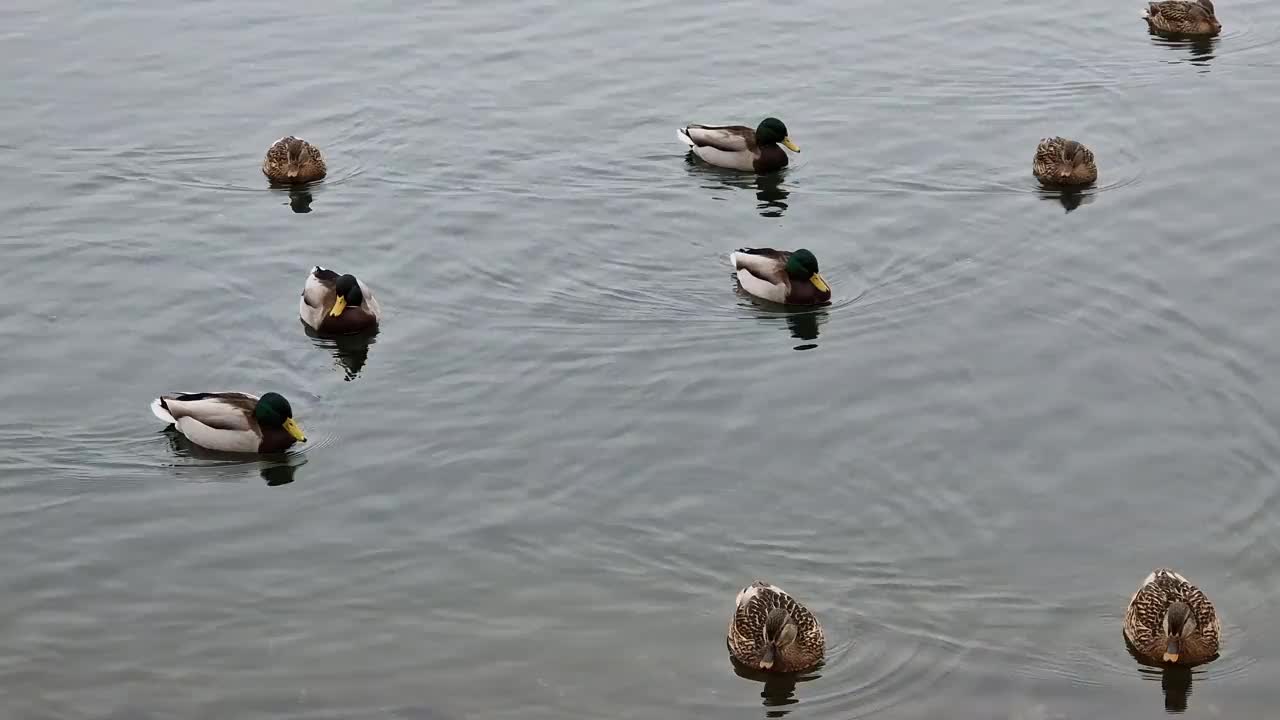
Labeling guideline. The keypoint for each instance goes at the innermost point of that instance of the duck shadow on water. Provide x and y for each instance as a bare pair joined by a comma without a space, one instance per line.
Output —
350,352
803,323
1071,198
1199,48
779,691
300,196
275,470
1175,680
771,195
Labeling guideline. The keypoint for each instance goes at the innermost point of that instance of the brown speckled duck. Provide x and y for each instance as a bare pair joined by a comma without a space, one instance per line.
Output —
1169,620
1060,161
1183,17
737,147
292,160
771,631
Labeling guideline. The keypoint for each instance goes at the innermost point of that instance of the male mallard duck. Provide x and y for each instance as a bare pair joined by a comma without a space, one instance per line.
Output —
781,276
1060,161
231,421
771,631
740,148
293,160
1183,17
334,304
1170,620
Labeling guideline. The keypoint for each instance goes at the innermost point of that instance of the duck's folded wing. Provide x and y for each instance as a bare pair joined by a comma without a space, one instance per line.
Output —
319,289
729,138
764,263
223,410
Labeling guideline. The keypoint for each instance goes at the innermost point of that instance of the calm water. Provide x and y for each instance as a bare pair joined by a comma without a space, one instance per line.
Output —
537,492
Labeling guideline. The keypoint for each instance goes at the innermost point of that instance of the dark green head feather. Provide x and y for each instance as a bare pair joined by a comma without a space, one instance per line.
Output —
802,264
771,131
272,410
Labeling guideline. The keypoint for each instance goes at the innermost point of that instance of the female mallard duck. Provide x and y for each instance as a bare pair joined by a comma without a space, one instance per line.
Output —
771,631
740,148
1182,17
1060,161
334,304
293,160
781,276
1170,620
231,421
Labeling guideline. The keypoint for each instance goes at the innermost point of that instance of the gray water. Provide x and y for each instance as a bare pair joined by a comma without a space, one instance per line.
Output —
536,492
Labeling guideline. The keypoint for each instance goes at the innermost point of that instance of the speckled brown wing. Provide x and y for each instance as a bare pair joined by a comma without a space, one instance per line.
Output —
1047,154
316,168
1144,618
1173,13
746,628
1181,17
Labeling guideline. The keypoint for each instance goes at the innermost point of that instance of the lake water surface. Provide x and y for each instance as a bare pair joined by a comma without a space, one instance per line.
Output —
536,493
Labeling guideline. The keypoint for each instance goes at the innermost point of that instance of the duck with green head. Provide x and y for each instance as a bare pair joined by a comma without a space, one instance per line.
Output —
231,421
737,147
781,276
334,304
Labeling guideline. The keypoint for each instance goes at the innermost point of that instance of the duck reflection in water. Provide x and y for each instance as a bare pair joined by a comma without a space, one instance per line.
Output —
771,194
300,200
1199,48
804,326
274,472
1069,198
350,352
1175,680
779,691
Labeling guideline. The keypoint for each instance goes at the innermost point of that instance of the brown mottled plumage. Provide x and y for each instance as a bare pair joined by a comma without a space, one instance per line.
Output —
1169,620
771,631
1059,161
293,160
1183,17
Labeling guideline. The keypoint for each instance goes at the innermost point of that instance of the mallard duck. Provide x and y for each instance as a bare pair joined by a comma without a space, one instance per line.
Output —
334,304
781,276
771,631
293,160
1170,620
1182,17
1060,161
231,421
740,148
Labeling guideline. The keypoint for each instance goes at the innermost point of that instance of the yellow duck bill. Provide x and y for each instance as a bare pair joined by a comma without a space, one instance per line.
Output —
338,306
291,427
